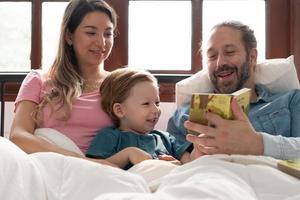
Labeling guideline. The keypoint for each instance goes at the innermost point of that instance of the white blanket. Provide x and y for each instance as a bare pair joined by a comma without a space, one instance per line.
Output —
55,177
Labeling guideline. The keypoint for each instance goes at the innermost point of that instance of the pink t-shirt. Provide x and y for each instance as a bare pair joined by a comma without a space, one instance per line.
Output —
86,118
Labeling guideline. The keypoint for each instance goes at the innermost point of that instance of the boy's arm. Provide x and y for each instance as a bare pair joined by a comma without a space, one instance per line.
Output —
128,155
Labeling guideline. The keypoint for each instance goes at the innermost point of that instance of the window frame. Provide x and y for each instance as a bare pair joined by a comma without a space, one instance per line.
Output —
282,27
119,55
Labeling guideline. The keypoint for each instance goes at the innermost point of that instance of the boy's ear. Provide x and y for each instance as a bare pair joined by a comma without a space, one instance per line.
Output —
118,110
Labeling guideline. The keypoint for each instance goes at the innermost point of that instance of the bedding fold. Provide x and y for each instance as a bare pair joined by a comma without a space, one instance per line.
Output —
52,176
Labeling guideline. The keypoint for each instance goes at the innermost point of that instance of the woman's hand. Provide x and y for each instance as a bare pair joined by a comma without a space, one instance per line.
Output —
226,136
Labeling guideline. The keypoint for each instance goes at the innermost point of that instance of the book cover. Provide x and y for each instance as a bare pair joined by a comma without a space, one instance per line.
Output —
291,167
217,103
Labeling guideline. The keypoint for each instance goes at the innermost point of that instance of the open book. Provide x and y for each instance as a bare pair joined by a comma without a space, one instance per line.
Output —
217,103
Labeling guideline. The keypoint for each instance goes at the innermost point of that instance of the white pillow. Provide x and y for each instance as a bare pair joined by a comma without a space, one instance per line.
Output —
278,75
56,137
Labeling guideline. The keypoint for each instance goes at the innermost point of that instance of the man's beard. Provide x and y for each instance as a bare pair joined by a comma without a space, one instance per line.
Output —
231,86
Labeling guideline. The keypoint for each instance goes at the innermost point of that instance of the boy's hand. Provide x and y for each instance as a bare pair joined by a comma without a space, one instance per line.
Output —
169,159
196,153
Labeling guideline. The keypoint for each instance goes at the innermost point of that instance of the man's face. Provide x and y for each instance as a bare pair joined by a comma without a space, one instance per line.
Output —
227,60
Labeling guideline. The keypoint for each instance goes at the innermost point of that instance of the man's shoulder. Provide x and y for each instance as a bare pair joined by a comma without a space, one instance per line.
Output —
293,96
184,108
294,93
263,88
180,115
264,91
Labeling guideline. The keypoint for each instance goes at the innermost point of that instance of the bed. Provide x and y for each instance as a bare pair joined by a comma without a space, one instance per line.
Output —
53,176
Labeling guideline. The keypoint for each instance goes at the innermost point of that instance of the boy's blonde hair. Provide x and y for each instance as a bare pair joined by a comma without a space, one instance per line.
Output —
116,88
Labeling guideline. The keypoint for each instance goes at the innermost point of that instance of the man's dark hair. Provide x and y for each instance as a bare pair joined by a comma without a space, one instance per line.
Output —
248,36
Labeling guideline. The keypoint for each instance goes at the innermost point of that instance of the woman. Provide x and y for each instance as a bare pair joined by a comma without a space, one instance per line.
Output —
66,98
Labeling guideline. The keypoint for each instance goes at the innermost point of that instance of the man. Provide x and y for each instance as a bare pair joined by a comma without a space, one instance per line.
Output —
275,118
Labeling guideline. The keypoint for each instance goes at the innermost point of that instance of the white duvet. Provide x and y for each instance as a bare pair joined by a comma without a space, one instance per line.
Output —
52,176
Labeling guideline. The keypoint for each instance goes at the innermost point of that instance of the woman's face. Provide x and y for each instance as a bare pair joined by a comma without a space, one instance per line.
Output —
93,39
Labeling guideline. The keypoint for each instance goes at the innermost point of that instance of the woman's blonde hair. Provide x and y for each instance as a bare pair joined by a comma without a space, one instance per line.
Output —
116,88
64,76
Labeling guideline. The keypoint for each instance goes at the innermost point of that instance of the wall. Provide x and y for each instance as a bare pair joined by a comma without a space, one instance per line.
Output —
9,114
167,111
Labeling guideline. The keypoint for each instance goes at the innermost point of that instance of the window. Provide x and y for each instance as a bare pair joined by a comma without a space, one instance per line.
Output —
275,19
50,30
160,35
250,12
15,36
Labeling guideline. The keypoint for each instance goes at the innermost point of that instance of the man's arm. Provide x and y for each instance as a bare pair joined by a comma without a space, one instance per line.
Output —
281,147
175,123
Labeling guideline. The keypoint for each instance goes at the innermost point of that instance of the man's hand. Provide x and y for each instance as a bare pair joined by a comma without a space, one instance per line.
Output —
226,136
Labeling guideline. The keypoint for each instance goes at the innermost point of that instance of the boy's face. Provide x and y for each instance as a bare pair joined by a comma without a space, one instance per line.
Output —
140,111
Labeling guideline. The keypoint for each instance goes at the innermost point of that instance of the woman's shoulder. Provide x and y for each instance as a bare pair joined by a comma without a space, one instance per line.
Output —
36,75
30,88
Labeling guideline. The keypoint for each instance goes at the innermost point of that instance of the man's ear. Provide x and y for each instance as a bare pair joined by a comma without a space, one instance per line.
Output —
253,58
68,38
118,110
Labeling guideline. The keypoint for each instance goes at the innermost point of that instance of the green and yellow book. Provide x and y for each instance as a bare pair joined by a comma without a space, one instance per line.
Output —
217,103
291,167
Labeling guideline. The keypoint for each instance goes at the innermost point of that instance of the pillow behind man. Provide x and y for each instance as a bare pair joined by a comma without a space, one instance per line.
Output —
278,75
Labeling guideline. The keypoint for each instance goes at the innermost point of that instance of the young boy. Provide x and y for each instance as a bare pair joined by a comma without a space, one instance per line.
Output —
131,99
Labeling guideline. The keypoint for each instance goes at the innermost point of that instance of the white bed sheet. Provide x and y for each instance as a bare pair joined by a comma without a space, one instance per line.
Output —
52,176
